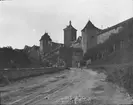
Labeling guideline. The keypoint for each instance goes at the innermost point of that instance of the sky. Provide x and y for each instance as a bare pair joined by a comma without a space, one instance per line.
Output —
23,22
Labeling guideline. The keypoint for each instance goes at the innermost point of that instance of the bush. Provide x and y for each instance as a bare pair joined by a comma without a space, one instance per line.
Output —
122,77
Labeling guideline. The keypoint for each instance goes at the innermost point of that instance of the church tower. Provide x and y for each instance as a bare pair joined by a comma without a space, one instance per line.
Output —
70,34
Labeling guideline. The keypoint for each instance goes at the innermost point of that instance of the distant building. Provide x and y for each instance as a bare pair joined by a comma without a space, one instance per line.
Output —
70,34
72,52
45,43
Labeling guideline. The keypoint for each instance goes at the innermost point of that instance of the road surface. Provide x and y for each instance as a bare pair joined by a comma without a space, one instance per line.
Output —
58,88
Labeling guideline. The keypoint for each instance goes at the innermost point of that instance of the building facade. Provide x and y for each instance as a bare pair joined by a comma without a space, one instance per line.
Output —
111,42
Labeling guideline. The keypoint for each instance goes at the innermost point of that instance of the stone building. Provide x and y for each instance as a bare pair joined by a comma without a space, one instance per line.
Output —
45,44
89,36
71,52
111,41
70,34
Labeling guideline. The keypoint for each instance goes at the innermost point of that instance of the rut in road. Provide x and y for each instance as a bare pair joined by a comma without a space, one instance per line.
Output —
42,96
28,91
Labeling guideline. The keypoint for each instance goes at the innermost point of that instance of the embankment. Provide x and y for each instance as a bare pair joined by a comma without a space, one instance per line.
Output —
15,74
121,75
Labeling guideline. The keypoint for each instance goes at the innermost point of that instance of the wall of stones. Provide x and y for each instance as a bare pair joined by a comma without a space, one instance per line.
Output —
89,39
104,36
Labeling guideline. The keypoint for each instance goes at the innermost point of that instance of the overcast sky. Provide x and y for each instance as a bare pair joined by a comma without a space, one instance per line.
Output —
23,22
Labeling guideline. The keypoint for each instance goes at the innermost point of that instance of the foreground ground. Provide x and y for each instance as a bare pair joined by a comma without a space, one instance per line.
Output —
53,89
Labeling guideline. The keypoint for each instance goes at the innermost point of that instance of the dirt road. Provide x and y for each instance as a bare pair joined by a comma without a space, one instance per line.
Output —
49,90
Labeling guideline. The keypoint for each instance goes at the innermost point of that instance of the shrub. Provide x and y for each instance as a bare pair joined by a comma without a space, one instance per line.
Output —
123,77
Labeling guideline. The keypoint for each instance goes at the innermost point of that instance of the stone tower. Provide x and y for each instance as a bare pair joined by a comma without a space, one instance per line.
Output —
45,43
89,36
70,34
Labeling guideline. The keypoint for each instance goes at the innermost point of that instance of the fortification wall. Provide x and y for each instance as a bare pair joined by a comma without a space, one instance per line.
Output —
113,43
104,36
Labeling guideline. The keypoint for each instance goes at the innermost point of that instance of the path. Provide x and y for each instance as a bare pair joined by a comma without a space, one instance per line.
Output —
44,90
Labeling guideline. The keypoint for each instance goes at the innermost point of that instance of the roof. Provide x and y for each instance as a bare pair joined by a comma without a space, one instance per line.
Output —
89,25
115,26
46,37
69,26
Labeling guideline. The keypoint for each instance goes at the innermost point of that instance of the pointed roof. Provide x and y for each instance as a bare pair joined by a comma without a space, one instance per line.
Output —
89,25
46,37
70,26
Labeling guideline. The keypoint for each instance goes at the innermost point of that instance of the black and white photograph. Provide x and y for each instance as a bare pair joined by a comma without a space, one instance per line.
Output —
66,52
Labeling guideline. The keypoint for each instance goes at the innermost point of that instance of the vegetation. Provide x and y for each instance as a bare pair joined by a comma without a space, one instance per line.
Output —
10,57
122,76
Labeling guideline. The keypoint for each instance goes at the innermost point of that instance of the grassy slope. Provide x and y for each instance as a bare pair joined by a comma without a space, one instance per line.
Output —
118,67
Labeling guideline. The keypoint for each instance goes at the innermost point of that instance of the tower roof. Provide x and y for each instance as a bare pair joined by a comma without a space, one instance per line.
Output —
89,25
46,37
70,26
